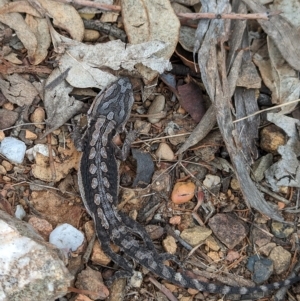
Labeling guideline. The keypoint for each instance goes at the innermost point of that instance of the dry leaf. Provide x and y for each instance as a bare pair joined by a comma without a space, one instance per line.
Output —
16,22
18,90
85,60
192,101
59,106
40,28
286,171
43,171
151,20
290,10
277,75
19,7
12,57
283,33
187,38
65,16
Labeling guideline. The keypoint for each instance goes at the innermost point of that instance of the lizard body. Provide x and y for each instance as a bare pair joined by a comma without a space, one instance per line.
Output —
98,182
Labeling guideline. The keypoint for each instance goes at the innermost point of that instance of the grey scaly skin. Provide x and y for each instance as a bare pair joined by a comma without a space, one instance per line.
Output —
98,180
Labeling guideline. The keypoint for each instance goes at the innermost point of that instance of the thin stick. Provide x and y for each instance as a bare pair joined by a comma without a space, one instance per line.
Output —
195,16
268,109
163,289
272,194
160,138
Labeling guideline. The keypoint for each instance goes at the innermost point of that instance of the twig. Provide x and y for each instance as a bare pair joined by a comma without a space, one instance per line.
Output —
177,237
89,249
51,162
106,28
272,194
163,289
6,68
195,16
23,124
268,109
160,138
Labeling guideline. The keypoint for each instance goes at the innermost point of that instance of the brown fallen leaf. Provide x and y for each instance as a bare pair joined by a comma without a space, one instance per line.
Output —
42,170
191,100
18,90
19,7
64,16
16,22
41,31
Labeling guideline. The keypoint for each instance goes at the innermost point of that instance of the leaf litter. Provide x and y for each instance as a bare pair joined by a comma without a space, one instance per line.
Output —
52,32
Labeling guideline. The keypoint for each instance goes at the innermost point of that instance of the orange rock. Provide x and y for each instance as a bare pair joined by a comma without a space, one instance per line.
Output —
183,192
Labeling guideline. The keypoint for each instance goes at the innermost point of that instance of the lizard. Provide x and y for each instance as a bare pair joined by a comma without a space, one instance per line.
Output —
98,181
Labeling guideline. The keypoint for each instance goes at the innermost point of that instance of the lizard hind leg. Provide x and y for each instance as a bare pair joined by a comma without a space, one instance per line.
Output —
135,228
103,236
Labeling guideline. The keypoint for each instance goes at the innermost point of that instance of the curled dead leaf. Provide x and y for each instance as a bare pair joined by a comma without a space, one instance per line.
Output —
65,16
183,192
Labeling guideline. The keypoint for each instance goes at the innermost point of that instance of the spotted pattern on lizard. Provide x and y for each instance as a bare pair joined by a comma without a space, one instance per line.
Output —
98,183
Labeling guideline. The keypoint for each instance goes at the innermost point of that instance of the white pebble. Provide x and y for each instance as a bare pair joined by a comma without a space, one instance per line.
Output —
13,149
65,236
20,212
137,279
211,181
38,148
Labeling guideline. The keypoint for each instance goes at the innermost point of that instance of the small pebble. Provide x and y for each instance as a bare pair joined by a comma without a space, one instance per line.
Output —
8,106
142,127
87,16
234,184
2,135
2,170
175,220
156,107
20,212
260,166
91,280
43,227
169,244
7,165
7,118
281,230
91,35
271,137
281,259
38,148
137,279
38,116
196,235
164,152
67,237
30,135
212,244
13,149
6,179
211,180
